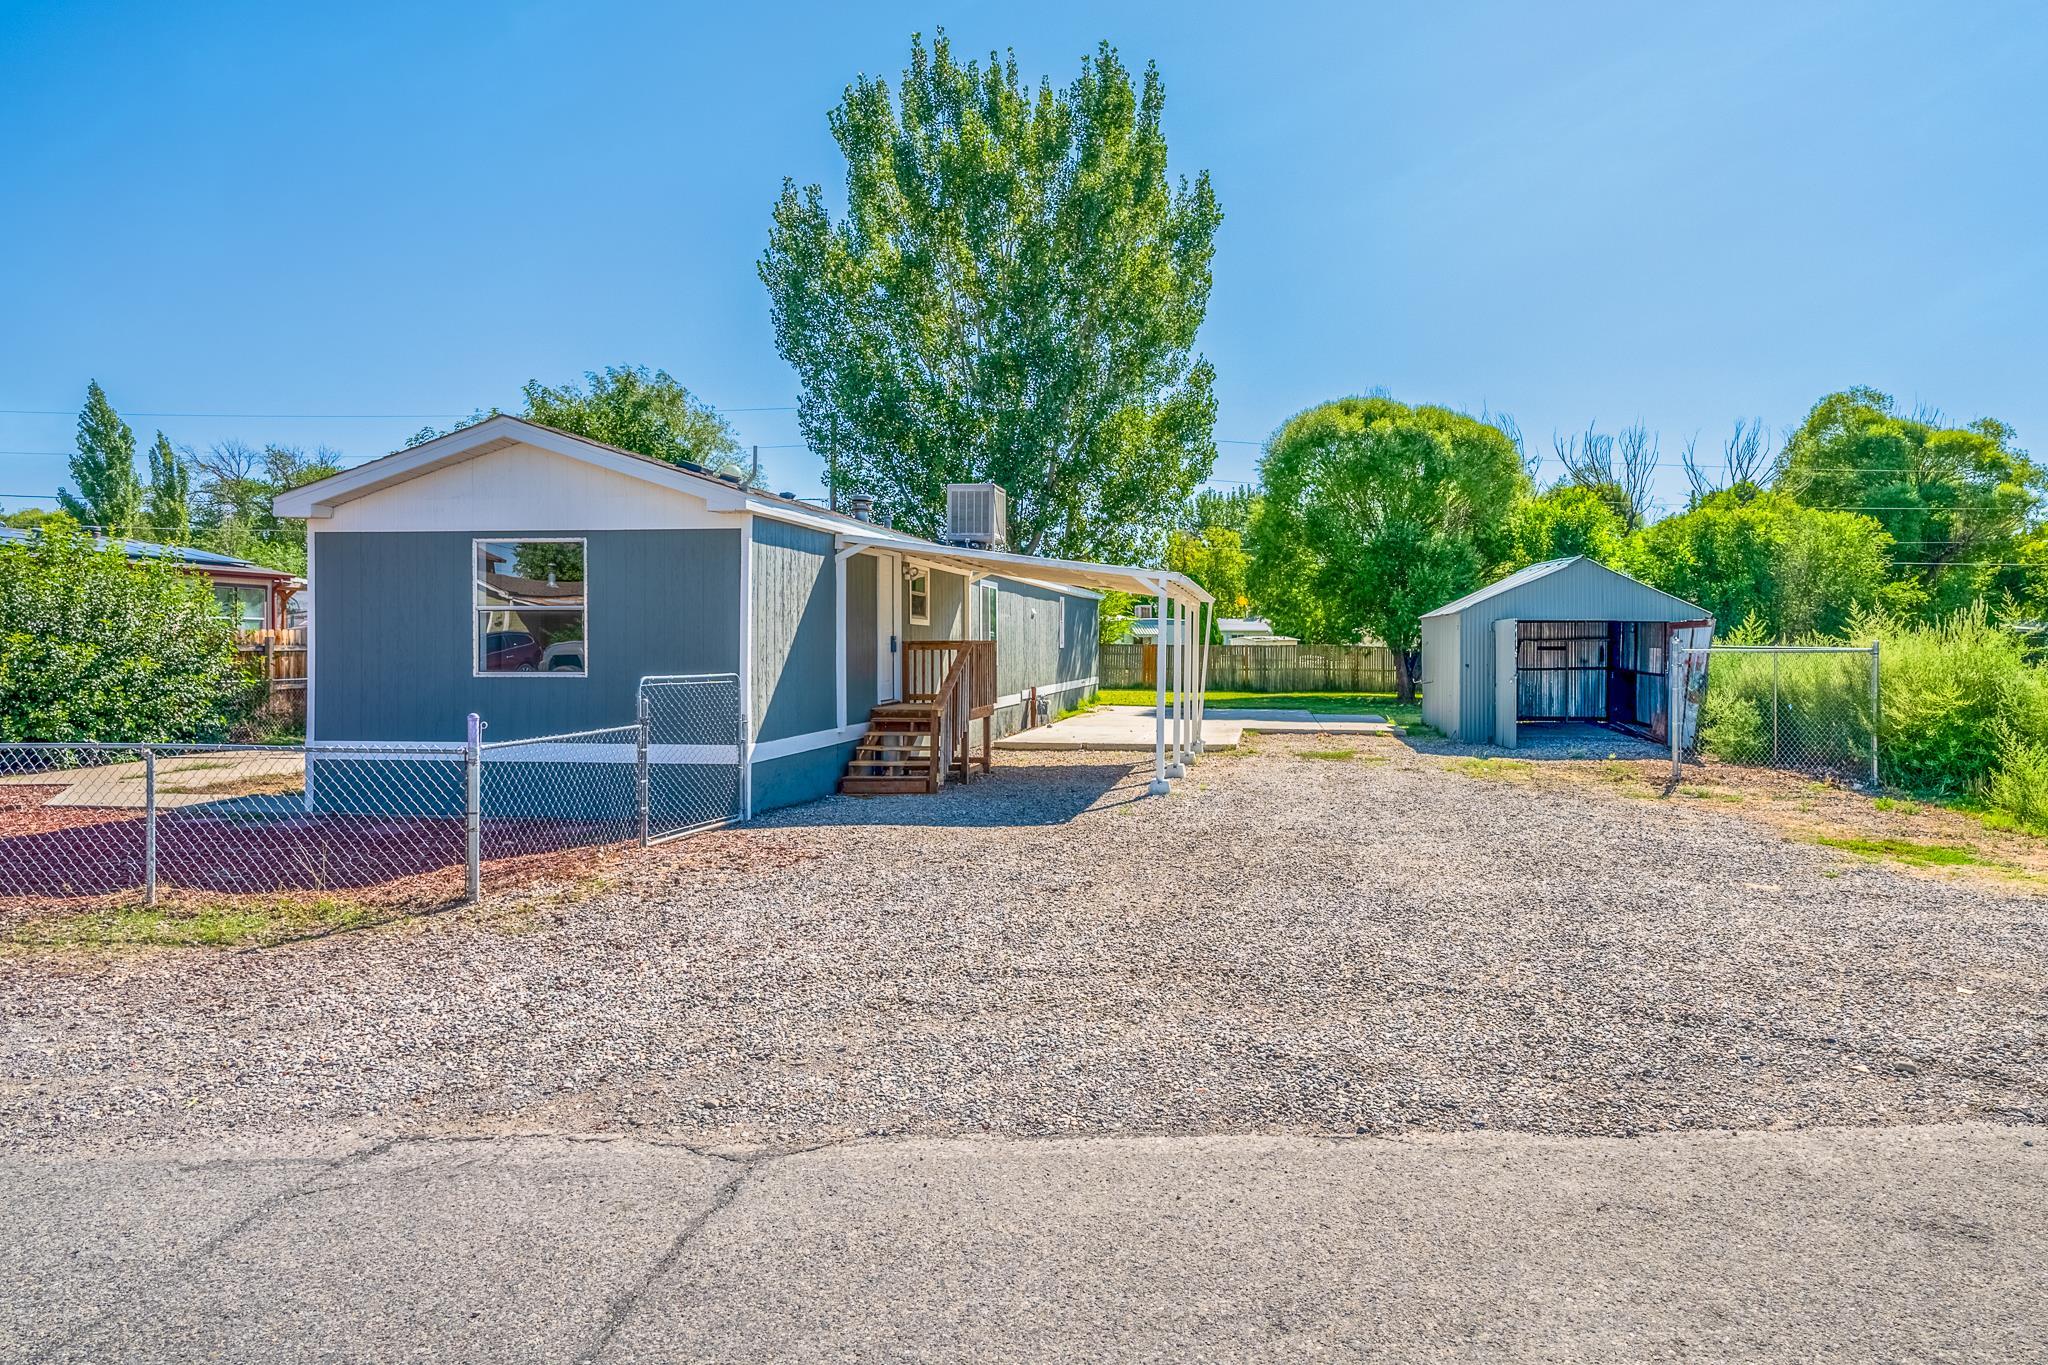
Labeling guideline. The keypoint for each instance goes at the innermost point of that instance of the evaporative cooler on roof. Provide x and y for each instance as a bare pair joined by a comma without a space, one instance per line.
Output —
977,516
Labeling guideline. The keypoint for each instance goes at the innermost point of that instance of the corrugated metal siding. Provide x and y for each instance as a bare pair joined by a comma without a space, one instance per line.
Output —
394,632
795,689
1442,673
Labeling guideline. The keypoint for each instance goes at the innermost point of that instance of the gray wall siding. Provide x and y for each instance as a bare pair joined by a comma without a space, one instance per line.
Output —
948,609
795,690
1442,672
862,647
393,641
1030,650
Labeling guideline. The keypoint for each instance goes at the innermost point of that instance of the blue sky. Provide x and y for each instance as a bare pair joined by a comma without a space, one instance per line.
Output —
364,217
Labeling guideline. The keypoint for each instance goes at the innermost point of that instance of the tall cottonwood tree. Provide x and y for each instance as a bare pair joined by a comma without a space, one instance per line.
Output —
168,499
1371,513
1012,295
109,496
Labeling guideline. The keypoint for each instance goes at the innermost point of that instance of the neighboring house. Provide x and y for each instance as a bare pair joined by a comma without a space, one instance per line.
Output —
535,578
253,597
1235,630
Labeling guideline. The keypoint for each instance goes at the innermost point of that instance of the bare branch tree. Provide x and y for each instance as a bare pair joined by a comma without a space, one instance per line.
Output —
1641,453
1749,456
1701,482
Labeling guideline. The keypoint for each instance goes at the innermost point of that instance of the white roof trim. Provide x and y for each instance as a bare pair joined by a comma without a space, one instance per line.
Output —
319,499
1075,573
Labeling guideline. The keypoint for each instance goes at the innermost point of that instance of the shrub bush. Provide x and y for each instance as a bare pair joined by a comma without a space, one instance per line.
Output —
93,647
1958,695
2019,789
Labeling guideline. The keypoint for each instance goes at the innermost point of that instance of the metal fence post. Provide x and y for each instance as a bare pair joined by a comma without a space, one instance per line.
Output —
1876,713
1674,708
640,769
1775,706
473,808
149,828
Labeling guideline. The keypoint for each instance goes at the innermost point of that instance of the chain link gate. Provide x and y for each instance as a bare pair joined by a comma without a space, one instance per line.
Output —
1800,708
695,751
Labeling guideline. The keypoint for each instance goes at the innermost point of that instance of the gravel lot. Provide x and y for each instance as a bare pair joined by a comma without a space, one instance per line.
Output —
1286,944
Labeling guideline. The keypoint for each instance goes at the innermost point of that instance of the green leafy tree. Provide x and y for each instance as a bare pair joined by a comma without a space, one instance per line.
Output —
1012,296
1232,510
1567,520
93,647
1113,618
1372,513
35,518
1800,571
1215,558
640,410
168,499
236,487
1954,499
109,496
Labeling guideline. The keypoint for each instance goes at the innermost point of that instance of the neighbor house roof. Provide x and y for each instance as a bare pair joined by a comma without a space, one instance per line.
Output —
144,549
317,500
1551,568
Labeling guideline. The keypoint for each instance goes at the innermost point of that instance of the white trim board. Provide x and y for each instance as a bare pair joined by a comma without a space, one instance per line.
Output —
768,750
1017,698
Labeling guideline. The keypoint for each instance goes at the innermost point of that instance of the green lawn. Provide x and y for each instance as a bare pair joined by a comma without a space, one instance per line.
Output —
1407,714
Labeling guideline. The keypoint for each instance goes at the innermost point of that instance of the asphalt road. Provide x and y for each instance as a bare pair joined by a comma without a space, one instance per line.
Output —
1834,1244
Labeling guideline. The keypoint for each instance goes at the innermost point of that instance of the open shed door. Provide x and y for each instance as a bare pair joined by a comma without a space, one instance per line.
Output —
1507,691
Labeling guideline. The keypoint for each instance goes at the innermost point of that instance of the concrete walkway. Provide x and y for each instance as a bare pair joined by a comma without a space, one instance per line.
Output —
1819,1245
1129,729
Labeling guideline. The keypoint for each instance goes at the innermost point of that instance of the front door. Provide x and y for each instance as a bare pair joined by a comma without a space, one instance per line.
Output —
889,627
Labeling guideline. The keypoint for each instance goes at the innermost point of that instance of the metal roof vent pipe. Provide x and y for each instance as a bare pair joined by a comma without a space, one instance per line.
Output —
861,507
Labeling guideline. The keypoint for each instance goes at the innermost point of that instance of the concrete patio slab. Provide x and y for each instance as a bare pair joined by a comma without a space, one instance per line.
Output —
1115,729
1128,729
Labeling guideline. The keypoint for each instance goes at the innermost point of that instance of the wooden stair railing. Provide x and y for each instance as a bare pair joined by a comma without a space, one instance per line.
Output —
914,744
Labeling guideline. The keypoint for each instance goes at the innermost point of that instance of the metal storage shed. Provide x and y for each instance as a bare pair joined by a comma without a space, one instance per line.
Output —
1564,640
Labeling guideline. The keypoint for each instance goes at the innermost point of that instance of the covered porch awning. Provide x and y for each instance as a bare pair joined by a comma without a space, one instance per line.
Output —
1183,605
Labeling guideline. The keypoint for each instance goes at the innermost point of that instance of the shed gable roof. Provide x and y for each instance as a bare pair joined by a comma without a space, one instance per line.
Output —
1579,566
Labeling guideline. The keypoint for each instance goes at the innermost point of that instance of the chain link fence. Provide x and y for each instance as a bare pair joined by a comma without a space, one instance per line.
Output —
115,824
1801,708
110,822
697,762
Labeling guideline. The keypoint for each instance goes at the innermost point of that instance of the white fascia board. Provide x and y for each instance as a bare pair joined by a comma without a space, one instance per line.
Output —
1072,572
317,500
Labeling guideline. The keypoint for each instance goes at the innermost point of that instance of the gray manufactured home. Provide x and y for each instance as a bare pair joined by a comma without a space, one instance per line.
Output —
559,587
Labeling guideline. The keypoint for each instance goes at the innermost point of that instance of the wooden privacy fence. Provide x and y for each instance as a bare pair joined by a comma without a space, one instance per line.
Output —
276,656
1263,668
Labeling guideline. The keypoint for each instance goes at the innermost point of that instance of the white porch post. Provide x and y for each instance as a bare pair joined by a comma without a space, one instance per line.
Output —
1179,767
1201,683
1159,785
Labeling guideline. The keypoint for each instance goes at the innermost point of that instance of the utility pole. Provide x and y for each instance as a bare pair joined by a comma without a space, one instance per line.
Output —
754,479
832,482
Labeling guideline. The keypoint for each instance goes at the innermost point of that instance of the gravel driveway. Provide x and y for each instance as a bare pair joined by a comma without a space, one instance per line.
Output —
1286,944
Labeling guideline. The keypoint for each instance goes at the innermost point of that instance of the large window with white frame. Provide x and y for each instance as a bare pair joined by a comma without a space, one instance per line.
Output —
920,597
531,607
